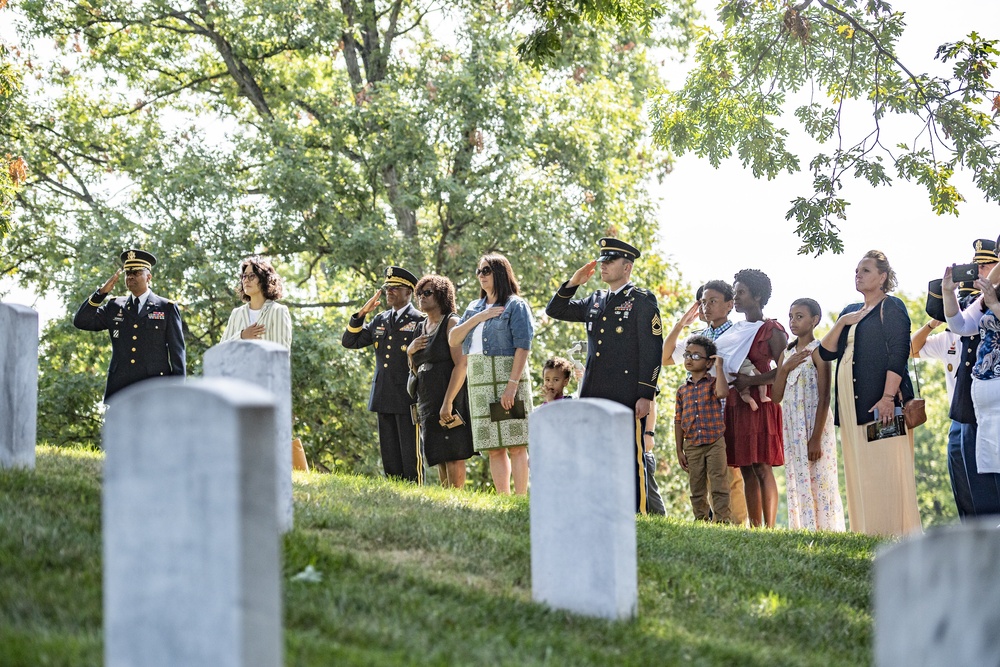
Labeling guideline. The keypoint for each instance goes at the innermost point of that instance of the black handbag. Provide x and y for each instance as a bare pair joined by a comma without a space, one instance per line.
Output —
499,413
411,379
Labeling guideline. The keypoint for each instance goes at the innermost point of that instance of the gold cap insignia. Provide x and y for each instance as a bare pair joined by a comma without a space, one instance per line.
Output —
388,272
979,245
131,254
603,243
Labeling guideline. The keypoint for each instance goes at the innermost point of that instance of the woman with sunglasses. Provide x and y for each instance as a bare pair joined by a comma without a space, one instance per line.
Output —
442,399
260,318
495,333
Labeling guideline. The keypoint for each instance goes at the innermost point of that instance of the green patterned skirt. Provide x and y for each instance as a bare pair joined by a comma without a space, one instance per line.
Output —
487,379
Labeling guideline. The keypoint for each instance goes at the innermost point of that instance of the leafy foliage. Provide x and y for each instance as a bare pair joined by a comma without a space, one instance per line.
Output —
13,170
335,138
768,55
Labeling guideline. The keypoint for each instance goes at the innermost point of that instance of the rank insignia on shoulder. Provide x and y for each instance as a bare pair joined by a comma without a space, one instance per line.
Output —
657,326
157,315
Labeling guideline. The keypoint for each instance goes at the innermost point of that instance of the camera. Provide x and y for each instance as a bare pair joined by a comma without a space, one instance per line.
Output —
964,272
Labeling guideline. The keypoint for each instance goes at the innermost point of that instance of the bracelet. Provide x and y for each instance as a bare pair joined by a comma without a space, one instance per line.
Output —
649,433
514,381
887,396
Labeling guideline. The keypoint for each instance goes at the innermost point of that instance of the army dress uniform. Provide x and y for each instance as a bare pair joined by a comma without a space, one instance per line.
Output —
144,344
625,337
390,336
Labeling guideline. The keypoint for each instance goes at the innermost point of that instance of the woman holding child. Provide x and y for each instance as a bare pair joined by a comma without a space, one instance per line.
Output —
442,399
495,332
871,343
753,428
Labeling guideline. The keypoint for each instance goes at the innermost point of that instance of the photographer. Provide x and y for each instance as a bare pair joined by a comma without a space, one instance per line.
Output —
982,316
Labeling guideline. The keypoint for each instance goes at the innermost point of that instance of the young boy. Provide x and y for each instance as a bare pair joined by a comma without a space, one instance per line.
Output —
555,376
699,427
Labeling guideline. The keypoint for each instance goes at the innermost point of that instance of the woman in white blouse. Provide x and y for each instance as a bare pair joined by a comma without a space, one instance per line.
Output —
261,317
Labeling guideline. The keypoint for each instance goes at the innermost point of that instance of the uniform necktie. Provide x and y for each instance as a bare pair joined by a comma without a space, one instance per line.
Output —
392,319
132,304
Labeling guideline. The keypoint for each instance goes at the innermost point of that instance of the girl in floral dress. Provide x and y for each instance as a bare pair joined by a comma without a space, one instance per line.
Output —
802,385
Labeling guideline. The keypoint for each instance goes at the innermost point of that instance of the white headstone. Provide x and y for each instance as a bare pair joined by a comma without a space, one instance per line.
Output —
583,545
191,542
266,365
18,385
936,598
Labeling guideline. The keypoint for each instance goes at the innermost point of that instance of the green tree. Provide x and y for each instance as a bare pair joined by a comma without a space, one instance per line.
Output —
819,56
336,139
767,53
13,169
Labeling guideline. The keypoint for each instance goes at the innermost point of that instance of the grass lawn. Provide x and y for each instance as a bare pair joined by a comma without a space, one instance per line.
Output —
414,576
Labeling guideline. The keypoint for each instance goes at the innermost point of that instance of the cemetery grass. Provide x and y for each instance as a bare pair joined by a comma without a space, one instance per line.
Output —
378,573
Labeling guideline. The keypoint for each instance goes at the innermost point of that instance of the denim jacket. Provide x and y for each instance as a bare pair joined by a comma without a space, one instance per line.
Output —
502,335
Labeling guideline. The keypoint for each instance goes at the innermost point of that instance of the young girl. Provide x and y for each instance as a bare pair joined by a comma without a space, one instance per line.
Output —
813,491
555,376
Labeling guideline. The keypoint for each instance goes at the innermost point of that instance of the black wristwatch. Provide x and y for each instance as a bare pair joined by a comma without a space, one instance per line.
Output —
649,433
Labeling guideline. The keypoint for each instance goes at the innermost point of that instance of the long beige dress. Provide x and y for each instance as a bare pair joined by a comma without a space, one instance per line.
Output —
881,488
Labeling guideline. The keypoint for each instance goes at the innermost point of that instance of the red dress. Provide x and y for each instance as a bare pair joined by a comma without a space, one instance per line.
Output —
755,437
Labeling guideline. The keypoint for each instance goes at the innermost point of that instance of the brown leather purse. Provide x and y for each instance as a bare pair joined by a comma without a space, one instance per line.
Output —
914,413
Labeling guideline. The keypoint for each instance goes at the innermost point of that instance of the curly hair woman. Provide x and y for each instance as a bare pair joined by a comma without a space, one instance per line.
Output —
261,317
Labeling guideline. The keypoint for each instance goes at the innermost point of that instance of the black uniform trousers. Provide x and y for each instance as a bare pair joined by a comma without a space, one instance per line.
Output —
399,444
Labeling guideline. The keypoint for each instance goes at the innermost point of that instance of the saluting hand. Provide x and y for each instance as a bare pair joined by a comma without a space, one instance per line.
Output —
583,274
371,304
110,285
691,315
253,331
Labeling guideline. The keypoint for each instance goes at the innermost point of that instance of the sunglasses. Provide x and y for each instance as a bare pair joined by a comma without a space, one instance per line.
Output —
485,271
694,356
425,292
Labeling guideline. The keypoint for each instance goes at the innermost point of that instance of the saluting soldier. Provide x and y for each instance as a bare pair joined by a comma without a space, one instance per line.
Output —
625,338
390,332
147,339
